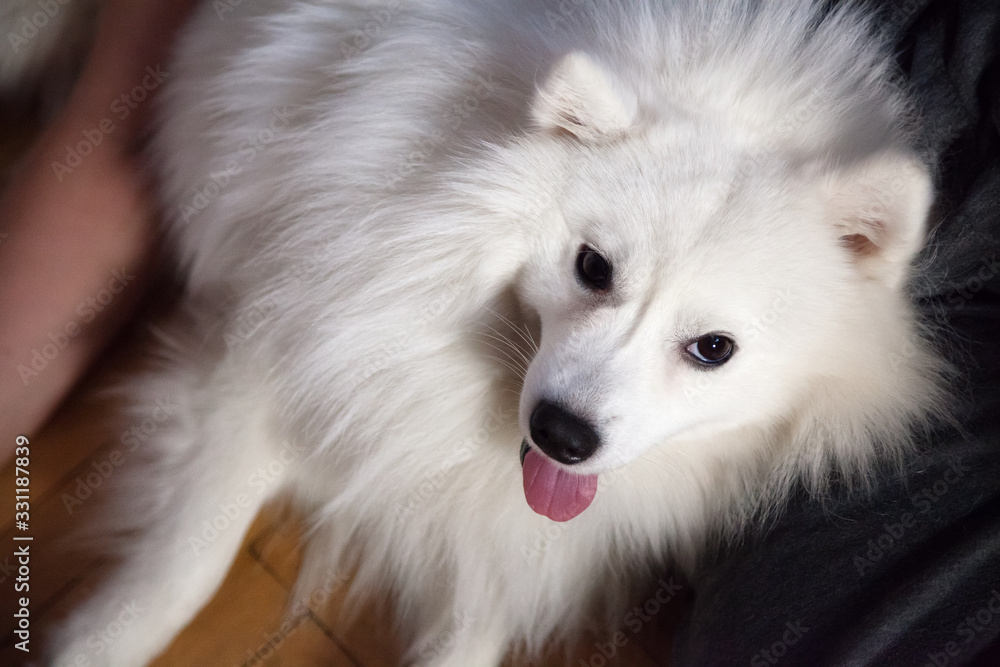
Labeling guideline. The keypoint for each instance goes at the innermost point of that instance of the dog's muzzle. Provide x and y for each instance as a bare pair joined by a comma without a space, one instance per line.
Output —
563,435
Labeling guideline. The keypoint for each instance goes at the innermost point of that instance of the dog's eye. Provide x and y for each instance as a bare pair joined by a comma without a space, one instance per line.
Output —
711,349
592,269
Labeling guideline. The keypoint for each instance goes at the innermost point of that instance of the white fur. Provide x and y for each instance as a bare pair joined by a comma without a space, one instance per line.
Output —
370,281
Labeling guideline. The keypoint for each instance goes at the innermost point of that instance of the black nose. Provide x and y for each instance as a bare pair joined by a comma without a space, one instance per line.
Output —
561,434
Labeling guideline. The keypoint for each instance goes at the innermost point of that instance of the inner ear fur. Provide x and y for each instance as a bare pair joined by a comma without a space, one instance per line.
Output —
880,207
580,98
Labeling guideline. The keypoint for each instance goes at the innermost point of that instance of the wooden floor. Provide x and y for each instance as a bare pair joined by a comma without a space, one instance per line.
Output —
243,625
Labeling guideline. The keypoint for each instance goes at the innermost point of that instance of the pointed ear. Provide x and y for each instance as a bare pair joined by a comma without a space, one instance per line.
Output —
580,98
880,207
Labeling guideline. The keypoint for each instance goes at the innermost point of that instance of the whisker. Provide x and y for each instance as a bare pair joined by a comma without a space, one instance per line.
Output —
521,362
531,339
517,371
499,336
516,329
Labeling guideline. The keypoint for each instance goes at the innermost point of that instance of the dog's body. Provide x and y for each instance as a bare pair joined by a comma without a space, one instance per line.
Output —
406,227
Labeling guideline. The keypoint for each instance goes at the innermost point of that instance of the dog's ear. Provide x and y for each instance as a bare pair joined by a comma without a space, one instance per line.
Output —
580,98
880,207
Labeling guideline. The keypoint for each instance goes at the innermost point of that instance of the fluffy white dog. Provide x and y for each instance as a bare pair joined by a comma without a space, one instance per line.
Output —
457,271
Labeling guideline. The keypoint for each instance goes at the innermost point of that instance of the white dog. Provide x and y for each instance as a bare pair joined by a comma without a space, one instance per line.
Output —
460,270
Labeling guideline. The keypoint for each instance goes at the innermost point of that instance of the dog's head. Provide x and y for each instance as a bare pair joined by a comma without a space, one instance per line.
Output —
693,279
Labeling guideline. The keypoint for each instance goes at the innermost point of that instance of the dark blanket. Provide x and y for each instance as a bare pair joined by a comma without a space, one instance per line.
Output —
911,576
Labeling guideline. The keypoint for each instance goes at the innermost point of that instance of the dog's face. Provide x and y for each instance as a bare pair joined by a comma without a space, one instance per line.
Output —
676,301
687,287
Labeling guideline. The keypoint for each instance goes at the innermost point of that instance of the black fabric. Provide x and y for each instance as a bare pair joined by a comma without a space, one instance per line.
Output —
910,576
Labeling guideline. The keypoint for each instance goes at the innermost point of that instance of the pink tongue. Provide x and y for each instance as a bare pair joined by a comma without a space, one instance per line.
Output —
553,492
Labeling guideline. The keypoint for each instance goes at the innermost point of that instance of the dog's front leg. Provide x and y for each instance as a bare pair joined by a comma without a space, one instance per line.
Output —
182,512
461,640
